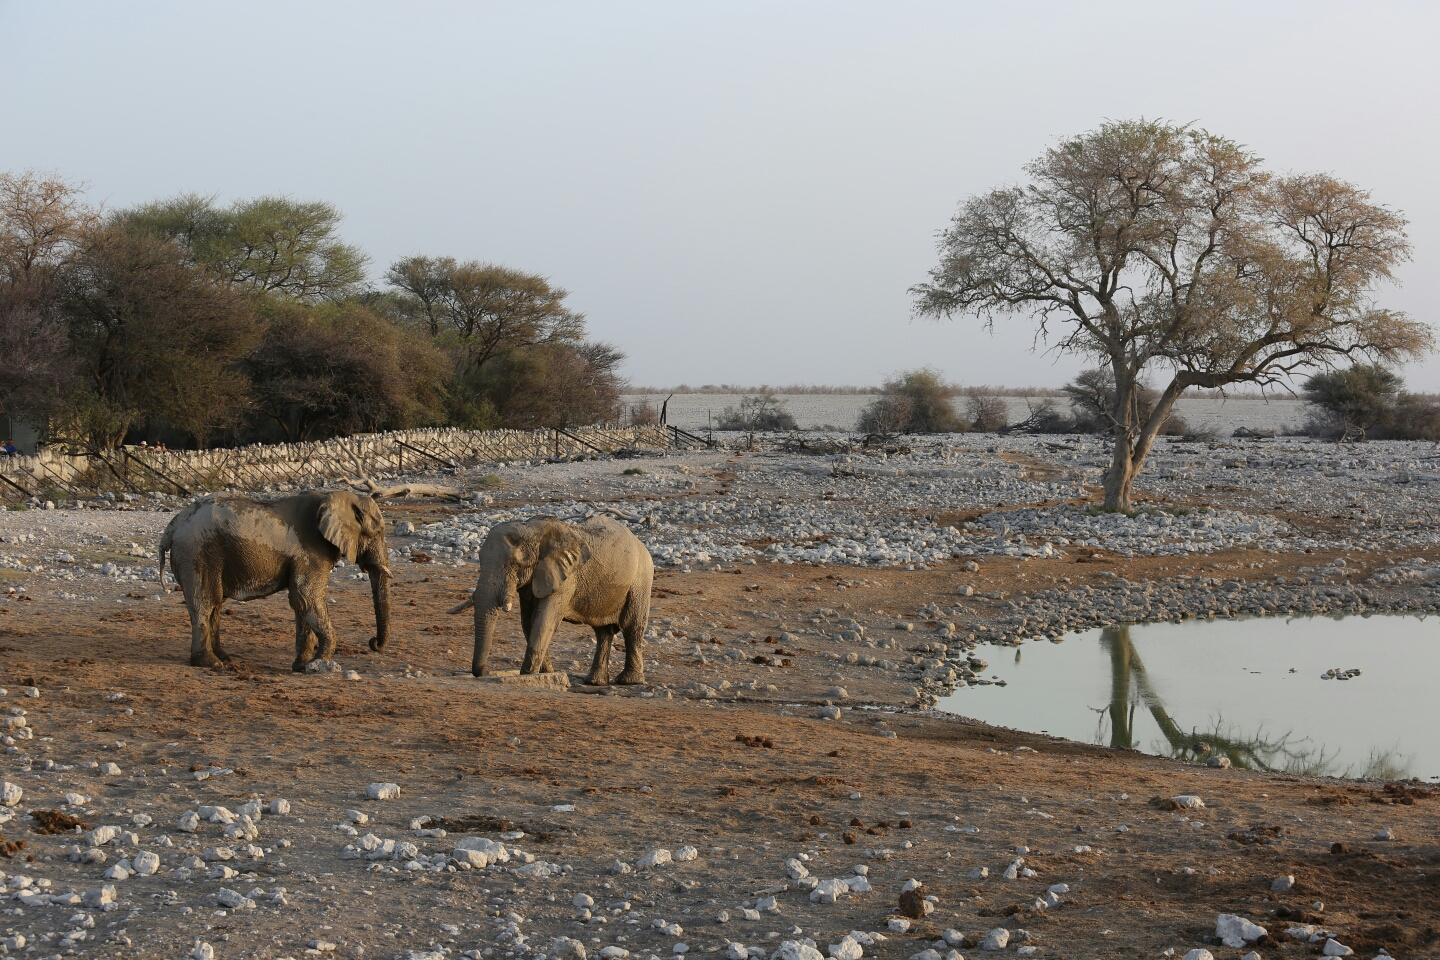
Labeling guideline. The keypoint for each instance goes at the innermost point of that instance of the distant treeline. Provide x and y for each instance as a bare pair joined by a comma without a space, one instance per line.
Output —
193,323
983,390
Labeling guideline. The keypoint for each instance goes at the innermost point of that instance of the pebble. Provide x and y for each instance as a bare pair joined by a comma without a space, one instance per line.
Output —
1334,948
847,949
897,925
796,950
382,791
995,939
737,951
1282,884
203,951
828,712
279,807
1189,802
10,794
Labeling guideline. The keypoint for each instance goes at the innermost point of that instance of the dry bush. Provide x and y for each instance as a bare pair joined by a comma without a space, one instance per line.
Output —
987,414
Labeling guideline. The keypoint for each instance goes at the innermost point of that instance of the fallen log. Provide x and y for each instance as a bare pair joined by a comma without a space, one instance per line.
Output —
406,490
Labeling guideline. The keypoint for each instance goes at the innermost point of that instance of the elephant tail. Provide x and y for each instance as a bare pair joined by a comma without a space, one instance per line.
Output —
166,541
464,606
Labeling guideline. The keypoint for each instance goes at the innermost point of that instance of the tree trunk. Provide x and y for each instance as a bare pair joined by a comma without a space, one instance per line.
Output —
1129,458
1120,476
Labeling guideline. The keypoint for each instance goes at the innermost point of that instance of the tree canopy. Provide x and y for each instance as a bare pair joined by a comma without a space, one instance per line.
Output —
1153,247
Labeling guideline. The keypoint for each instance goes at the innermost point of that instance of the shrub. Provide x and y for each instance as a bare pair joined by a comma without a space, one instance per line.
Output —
916,401
644,414
758,414
987,414
1350,402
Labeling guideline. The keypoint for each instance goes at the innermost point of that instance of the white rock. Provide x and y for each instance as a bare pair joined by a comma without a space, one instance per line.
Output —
582,900
253,809
847,949
613,952
564,948
1236,931
995,939
189,822
736,951
796,870
10,794
1387,834
1281,884
1334,948
929,953
279,807
121,871
110,769
233,899
213,814
767,905
954,937
99,897
686,854
355,816
493,851
147,864
382,791
828,891
979,873
102,835
897,924
563,808
796,950
654,858
1189,801
203,951
859,884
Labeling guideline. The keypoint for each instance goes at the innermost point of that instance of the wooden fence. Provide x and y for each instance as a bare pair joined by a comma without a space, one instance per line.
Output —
256,467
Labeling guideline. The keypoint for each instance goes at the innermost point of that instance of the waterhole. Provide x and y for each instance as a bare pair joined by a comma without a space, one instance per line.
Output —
1251,690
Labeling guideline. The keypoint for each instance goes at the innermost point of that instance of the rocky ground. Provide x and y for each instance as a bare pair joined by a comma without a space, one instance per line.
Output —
780,780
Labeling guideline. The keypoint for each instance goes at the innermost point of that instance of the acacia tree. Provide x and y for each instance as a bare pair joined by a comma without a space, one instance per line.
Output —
283,247
483,310
1154,247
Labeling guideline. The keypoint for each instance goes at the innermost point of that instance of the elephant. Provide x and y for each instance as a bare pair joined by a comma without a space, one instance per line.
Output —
597,573
224,548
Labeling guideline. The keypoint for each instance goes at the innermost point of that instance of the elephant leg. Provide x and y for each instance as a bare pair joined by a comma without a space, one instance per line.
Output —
634,619
215,646
537,642
600,668
527,620
203,602
304,643
311,622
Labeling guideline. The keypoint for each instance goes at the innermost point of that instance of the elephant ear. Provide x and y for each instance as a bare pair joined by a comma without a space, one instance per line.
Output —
340,523
555,567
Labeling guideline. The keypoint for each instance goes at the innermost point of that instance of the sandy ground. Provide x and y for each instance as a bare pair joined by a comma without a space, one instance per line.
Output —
644,771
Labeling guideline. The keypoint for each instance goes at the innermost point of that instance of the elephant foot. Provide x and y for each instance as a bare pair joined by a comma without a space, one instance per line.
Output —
377,645
597,680
298,666
205,660
631,678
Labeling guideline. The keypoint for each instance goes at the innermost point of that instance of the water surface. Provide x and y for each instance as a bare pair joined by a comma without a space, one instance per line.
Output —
1251,689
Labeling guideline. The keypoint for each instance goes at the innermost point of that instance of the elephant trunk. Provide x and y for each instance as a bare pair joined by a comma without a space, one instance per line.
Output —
380,592
485,619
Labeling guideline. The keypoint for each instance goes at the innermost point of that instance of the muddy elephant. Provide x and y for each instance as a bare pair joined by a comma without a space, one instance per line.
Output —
596,573
233,548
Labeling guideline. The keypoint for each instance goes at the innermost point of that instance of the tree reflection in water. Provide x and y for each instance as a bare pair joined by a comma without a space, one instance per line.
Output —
1130,688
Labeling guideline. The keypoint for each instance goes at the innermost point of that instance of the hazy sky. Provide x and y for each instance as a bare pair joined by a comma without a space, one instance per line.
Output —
732,192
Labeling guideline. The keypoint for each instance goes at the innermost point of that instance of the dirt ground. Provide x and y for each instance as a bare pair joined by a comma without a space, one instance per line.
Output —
645,770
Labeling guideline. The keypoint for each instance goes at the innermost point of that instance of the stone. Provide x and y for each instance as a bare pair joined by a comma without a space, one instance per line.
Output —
382,791
953,937
566,949
254,810
189,822
1236,931
655,858
614,952
1387,834
847,949
1282,884
1334,948
686,854
232,899
897,925
216,814
767,905
796,870
203,951
489,850
1219,761
859,884
147,864
996,939
737,951
99,897
102,835
110,769
10,794
979,873
279,807
1189,802
323,666
582,900
404,528
618,868
828,712
929,953
828,891
796,950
